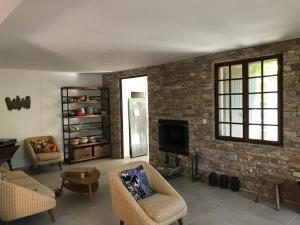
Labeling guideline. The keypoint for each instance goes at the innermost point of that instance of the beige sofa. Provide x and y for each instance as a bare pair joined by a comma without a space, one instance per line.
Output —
21,196
163,208
39,159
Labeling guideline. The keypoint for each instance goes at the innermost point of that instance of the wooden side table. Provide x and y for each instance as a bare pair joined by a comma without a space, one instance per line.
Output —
7,153
87,185
276,182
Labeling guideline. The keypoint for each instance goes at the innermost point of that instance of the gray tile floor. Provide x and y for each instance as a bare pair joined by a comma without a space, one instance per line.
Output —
206,205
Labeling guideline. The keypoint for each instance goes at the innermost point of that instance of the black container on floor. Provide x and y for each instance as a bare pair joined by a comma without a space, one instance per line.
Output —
213,179
224,181
235,184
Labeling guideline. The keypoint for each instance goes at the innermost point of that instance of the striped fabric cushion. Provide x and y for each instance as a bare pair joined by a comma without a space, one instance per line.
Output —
160,207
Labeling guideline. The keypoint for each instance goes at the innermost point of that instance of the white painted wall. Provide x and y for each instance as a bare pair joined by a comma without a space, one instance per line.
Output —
137,84
44,116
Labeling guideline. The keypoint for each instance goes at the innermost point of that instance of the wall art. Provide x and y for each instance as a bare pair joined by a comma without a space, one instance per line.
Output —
18,103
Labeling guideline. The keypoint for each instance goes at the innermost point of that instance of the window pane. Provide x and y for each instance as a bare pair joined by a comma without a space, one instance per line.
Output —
255,85
255,116
271,133
224,101
271,116
236,101
224,115
255,69
237,130
237,116
260,97
254,100
270,83
223,87
236,86
270,100
224,73
270,67
236,71
255,132
224,129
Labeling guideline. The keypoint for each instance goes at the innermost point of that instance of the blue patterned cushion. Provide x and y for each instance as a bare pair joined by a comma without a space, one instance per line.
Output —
136,182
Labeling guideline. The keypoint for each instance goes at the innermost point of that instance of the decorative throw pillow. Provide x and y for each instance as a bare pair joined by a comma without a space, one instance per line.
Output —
50,147
43,146
38,145
136,182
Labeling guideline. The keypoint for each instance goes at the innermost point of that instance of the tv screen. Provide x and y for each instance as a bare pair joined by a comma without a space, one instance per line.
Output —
173,136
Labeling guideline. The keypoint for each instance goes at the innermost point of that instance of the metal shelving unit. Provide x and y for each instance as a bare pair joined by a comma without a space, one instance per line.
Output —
96,124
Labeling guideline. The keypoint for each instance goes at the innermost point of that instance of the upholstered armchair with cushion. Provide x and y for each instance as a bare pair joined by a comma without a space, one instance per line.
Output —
21,196
162,208
41,157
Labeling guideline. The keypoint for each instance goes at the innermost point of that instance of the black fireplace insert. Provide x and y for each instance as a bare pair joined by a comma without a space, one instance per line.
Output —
174,136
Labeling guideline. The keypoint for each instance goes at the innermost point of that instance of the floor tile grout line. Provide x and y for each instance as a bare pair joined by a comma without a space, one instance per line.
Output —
255,211
195,189
292,220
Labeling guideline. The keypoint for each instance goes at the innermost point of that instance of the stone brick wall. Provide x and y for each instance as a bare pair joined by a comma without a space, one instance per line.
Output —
184,90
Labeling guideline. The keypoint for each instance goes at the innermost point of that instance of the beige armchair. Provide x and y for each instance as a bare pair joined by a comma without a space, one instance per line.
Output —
163,208
39,159
21,196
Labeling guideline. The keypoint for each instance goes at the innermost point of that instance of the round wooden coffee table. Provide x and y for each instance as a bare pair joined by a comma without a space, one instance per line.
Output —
87,185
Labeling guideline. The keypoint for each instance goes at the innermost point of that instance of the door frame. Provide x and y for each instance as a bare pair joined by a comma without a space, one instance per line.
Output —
121,109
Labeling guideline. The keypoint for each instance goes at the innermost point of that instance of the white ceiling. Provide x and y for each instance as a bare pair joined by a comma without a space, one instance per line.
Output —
97,35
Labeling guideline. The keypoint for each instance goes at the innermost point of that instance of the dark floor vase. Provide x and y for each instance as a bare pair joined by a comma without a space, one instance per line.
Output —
213,179
224,181
235,184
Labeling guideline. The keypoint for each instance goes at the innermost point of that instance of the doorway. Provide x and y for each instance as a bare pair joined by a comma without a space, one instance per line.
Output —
134,102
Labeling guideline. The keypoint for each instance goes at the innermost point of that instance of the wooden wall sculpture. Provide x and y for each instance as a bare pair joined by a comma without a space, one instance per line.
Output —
18,103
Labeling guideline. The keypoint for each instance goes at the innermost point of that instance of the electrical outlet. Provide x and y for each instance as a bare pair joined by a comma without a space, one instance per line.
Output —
204,121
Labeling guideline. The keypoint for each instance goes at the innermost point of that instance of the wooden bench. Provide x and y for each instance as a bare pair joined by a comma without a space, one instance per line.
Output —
277,183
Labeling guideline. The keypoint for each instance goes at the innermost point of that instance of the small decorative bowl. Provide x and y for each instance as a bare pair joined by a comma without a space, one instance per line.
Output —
71,113
79,112
83,140
92,139
89,110
74,141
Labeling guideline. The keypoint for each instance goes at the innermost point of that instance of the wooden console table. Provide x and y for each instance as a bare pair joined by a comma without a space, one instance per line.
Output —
7,153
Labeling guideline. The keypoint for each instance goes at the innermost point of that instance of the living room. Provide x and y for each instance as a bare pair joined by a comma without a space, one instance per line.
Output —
224,88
